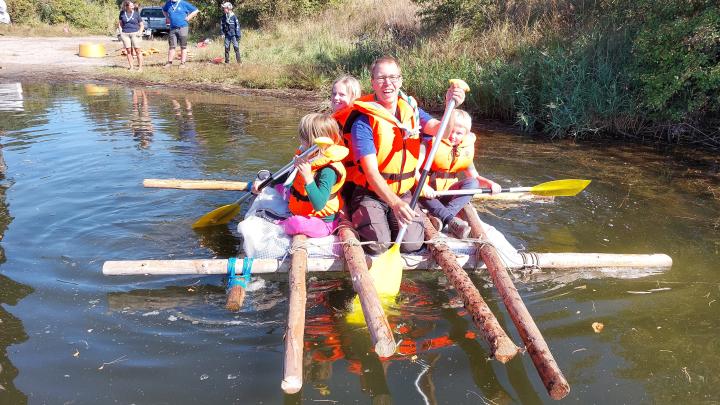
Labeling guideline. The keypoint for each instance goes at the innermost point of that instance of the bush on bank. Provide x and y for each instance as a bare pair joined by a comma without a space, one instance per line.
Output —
569,68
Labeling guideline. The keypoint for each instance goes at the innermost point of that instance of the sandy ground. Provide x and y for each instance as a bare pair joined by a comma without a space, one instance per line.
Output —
47,57
55,59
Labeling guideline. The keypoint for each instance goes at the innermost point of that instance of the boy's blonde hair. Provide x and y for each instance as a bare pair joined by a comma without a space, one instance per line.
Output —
316,125
352,85
461,116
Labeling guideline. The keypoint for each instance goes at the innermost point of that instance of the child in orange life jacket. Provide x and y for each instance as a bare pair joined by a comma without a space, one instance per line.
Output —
345,90
314,195
454,155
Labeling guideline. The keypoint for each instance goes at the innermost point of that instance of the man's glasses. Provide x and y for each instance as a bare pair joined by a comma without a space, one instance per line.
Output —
392,79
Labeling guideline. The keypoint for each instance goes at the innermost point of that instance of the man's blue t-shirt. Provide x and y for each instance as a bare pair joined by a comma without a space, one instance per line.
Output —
177,11
362,135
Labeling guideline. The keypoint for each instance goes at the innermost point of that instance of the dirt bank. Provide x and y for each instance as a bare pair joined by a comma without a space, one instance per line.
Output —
55,59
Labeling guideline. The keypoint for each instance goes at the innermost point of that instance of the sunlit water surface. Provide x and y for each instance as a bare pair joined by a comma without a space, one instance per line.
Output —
72,198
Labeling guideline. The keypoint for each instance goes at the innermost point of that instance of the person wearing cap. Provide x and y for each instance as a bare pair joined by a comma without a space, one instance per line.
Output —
230,29
178,13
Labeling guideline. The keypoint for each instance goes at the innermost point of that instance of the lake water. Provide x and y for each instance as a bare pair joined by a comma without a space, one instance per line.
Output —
72,198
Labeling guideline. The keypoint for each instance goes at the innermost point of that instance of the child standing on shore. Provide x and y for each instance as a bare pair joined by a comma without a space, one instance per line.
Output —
230,29
315,192
454,155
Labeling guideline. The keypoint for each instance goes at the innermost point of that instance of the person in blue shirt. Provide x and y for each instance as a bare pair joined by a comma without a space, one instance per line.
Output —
230,29
131,28
179,13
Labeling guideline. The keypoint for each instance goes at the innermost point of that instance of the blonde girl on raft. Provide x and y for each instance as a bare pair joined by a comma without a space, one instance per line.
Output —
345,90
315,192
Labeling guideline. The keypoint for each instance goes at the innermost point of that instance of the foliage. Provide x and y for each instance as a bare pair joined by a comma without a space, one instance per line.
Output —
91,15
677,63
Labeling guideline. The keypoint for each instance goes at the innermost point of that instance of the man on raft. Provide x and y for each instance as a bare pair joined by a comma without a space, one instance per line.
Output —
385,141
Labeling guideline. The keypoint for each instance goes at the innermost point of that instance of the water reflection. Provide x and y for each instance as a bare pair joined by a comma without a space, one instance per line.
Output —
11,328
76,160
140,122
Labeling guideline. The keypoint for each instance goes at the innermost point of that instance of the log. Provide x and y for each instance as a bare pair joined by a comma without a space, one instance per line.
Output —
513,197
501,346
185,184
235,298
607,265
292,378
550,373
378,326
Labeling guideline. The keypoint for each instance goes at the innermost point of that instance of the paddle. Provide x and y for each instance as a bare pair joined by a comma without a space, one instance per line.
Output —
387,269
555,188
224,214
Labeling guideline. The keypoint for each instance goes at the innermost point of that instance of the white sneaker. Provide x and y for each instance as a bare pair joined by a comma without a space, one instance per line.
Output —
459,228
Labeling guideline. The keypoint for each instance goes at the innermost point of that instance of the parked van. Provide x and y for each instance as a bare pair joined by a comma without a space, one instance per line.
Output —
155,22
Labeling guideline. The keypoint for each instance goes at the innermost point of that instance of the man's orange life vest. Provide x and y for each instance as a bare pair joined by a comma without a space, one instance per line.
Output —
397,142
449,160
299,203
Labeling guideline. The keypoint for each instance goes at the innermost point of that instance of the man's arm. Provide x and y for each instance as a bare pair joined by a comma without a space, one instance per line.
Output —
456,93
191,15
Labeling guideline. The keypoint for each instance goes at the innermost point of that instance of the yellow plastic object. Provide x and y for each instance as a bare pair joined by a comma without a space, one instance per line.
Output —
560,188
386,271
92,50
95,90
460,83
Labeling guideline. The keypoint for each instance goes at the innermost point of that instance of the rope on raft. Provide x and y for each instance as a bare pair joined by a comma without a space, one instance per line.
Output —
244,278
530,260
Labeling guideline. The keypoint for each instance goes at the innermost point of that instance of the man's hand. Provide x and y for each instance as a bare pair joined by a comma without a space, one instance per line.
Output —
402,211
456,93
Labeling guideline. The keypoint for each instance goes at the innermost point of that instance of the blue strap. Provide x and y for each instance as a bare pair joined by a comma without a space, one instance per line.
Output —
243,279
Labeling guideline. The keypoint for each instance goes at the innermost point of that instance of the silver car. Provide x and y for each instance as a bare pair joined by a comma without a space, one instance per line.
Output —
155,22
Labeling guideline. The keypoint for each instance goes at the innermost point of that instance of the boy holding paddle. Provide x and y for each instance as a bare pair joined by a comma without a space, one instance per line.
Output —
454,156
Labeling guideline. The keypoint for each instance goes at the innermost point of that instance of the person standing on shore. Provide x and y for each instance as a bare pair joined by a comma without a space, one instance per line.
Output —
179,13
230,29
385,132
131,29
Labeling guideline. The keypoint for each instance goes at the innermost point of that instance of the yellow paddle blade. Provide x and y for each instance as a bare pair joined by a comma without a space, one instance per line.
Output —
460,83
386,271
560,188
218,216
356,316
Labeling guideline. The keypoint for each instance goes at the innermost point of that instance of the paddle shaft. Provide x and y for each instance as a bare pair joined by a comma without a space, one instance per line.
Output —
285,169
473,191
428,164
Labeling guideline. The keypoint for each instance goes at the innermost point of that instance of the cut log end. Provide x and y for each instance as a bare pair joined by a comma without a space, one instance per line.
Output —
291,385
506,350
235,299
385,347
559,390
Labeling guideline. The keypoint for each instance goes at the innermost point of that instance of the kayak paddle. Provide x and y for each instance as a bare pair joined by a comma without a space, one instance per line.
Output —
386,270
555,188
224,214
